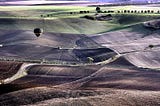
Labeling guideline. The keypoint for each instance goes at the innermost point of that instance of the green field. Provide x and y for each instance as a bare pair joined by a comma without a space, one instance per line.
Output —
58,18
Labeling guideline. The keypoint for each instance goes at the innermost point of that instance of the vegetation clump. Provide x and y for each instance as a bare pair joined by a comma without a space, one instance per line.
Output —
98,9
155,24
99,17
90,59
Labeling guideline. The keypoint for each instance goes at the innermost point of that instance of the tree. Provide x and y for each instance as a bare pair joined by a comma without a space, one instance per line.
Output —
81,12
145,11
152,11
135,11
85,12
141,11
151,46
98,9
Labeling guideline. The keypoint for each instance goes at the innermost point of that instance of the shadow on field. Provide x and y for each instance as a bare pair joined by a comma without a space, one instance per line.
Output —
126,21
139,28
11,88
128,79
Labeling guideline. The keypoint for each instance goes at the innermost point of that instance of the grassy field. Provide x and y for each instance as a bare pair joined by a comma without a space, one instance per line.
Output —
58,18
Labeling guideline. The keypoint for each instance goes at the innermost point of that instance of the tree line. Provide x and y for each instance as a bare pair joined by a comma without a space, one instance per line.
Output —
98,10
137,11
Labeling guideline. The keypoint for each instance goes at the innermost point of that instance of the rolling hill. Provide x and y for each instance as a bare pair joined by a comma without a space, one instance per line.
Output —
73,63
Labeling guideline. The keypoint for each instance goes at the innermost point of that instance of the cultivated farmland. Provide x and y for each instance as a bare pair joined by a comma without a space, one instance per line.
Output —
78,61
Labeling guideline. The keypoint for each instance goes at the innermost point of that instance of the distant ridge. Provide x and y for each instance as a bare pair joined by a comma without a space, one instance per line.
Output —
73,2
35,2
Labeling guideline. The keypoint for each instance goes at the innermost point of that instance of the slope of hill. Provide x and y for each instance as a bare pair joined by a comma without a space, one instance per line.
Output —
119,67
133,43
19,44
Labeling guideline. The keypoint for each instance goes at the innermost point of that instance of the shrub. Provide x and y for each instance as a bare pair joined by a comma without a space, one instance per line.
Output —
81,12
90,59
89,17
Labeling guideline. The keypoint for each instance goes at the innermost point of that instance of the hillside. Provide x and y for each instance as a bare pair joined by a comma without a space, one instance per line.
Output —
77,61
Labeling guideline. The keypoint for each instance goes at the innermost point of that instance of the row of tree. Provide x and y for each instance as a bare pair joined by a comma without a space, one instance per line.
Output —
98,10
80,12
136,11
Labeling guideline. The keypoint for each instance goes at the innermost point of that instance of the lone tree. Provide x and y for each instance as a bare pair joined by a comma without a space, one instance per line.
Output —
98,9
151,46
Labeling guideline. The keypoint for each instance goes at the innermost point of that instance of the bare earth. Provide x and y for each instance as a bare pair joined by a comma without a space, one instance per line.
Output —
132,79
